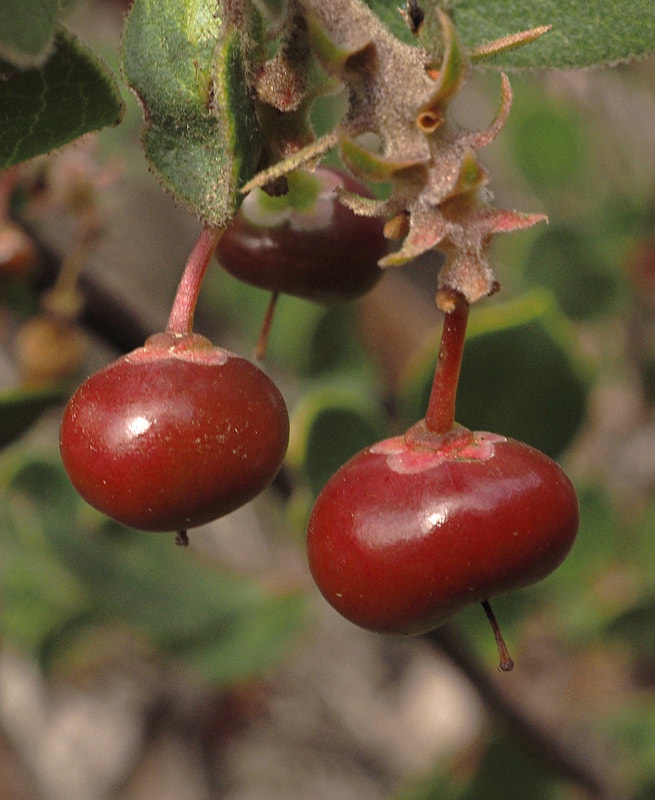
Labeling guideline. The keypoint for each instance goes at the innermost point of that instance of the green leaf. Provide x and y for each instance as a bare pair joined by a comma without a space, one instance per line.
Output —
43,108
20,409
548,142
66,568
508,770
629,734
584,32
635,627
519,375
328,426
190,70
26,29
567,261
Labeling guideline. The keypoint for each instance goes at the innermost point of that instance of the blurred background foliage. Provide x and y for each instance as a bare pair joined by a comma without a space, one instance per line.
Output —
563,358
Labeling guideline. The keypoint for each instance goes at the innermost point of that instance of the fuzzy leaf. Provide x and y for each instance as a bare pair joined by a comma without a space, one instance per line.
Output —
26,29
188,68
43,108
584,32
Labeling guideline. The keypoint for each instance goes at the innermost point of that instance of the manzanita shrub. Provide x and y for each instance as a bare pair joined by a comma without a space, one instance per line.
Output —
417,525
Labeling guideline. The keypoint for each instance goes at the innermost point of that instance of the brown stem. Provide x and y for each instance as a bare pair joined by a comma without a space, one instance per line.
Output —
547,745
440,416
180,320
506,664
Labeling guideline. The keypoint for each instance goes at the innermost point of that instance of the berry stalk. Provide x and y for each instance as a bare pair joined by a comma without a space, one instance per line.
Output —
180,321
440,416
262,341
506,664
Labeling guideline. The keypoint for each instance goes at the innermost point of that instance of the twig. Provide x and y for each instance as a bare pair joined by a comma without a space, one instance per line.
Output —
547,746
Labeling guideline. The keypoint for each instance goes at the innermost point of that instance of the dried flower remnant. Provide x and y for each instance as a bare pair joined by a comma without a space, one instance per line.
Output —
398,95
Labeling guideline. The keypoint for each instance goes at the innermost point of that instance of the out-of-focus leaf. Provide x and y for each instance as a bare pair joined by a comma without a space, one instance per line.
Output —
315,340
631,735
21,408
548,142
189,66
328,426
507,770
584,32
635,627
581,590
566,261
223,625
45,107
519,375
26,29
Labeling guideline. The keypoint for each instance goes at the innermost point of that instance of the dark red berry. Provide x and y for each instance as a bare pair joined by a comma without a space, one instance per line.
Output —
174,434
306,242
416,527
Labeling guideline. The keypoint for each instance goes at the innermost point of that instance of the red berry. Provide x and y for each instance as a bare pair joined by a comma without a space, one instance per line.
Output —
416,527
174,434
305,243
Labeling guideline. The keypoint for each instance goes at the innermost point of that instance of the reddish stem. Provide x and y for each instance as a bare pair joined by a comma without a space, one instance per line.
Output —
262,342
440,416
186,298
8,181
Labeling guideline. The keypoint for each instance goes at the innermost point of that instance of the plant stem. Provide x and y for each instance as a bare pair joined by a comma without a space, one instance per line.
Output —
506,663
440,416
180,320
262,341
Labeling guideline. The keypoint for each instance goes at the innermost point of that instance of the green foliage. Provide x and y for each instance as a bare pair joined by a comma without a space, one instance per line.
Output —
631,731
45,107
567,261
190,71
329,425
66,571
507,770
583,33
26,30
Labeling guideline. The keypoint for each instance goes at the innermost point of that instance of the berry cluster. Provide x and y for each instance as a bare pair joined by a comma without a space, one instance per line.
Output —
180,432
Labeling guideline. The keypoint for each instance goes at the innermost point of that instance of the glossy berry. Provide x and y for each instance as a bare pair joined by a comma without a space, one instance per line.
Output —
174,434
305,243
416,527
